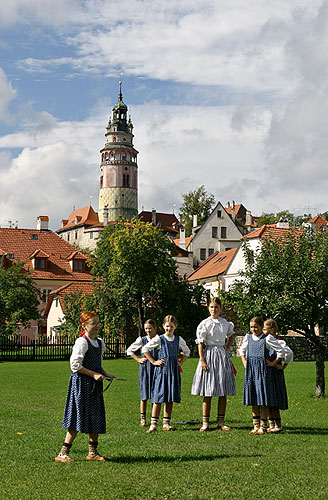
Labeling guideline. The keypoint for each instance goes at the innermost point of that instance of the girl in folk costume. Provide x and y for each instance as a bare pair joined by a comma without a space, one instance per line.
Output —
278,377
146,369
214,375
258,389
85,409
167,380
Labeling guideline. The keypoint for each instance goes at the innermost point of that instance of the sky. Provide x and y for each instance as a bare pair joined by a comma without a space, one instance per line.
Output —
229,95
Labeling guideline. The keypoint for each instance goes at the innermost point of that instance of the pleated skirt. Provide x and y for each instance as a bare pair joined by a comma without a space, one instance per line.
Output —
219,379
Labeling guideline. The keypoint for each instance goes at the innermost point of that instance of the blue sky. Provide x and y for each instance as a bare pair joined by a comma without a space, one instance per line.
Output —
231,95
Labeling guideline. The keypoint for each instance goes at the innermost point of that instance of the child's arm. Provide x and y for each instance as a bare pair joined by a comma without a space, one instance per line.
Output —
229,343
150,358
135,346
97,376
185,351
201,356
243,358
139,360
243,350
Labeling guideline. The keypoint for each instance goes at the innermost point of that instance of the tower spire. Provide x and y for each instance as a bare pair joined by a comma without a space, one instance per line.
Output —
120,96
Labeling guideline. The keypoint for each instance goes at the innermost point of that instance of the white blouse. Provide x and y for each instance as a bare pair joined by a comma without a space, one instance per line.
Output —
214,331
270,341
288,353
156,342
135,346
79,350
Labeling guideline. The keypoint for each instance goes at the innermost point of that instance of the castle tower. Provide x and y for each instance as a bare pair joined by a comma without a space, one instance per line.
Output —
118,194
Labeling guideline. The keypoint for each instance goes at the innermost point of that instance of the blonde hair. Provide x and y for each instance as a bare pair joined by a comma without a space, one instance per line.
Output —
170,319
271,323
258,321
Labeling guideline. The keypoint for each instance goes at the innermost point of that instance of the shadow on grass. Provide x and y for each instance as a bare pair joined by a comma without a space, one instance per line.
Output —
133,459
319,431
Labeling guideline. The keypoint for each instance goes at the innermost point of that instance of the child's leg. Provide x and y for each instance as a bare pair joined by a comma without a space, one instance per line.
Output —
222,404
277,419
154,417
256,419
206,413
167,417
264,420
271,412
143,408
93,449
63,455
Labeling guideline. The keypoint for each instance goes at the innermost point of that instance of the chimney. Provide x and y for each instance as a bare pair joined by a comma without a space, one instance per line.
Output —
153,217
233,210
228,204
248,220
105,215
42,223
282,224
182,243
194,220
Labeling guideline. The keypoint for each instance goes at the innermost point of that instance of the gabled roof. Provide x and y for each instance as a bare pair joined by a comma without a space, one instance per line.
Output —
319,221
166,222
83,288
177,241
229,219
26,244
81,217
267,231
214,265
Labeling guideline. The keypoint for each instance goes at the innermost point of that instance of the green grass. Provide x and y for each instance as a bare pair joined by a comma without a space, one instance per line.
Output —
181,465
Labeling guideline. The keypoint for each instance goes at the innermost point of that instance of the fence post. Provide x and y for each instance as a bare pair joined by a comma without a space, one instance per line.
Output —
33,350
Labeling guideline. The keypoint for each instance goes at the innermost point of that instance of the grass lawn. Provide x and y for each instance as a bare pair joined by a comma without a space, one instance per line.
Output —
185,464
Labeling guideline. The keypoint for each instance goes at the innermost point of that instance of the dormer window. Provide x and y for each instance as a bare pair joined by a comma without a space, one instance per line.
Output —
78,265
34,236
40,263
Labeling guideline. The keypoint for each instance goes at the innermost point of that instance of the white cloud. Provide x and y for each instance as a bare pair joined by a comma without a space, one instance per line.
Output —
7,94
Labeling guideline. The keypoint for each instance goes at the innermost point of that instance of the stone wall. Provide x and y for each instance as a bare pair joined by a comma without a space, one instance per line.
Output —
303,350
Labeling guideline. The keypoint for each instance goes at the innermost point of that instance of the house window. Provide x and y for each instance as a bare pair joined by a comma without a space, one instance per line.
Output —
68,237
223,232
214,232
219,214
45,294
91,236
34,236
202,253
76,235
40,264
78,265
210,251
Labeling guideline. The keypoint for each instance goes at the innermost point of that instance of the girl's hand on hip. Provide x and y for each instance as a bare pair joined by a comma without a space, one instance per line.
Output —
142,360
159,362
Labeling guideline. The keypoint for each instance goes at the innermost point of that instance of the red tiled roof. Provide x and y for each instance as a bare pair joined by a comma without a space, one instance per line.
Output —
267,231
85,288
164,221
177,241
19,242
81,216
215,265
319,221
43,217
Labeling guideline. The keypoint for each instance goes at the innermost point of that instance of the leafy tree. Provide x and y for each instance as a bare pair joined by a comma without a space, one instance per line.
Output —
19,299
286,215
300,219
134,269
266,218
287,279
325,215
197,202
135,278
74,304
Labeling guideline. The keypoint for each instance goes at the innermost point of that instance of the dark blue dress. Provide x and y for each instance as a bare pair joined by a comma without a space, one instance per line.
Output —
167,381
85,409
146,373
258,386
278,384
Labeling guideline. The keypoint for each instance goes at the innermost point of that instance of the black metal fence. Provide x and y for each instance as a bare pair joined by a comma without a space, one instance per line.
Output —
43,349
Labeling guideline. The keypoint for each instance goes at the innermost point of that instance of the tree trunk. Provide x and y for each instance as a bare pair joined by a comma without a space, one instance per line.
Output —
320,373
141,316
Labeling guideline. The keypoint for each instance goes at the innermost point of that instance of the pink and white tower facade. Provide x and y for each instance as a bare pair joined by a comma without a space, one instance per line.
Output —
118,196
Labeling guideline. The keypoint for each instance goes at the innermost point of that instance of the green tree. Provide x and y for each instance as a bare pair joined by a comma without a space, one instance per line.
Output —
197,202
134,270
19,299
287,279
266,218
300,219
74,304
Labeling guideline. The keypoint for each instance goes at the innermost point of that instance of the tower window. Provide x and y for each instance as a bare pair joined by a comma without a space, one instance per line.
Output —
101,181
126,180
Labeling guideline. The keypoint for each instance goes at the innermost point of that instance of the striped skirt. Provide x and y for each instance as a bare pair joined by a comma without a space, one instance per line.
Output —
219,379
